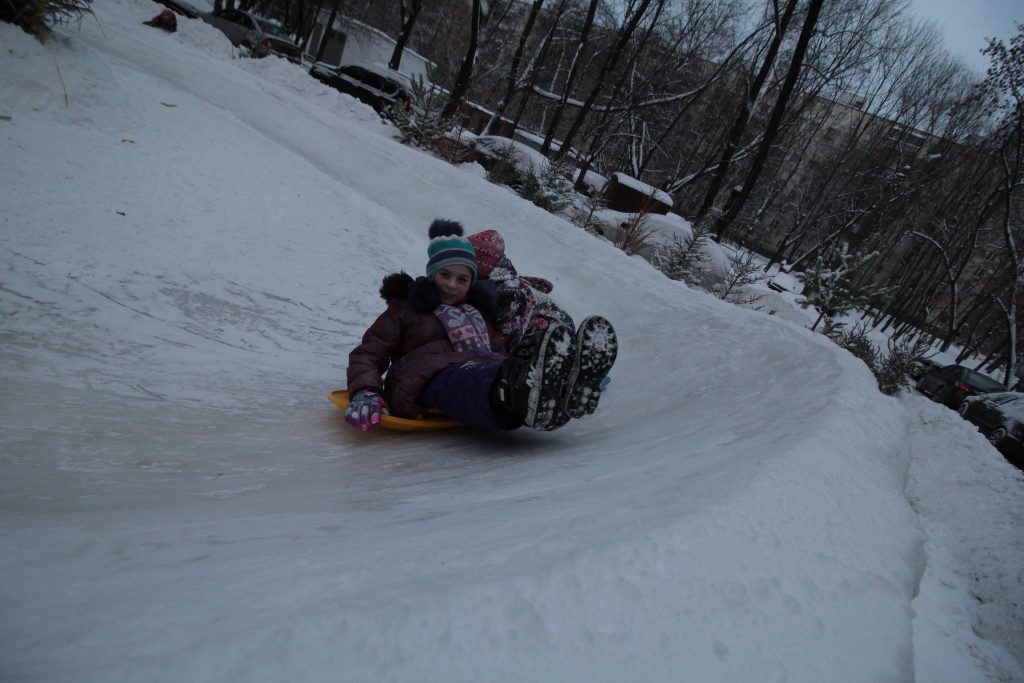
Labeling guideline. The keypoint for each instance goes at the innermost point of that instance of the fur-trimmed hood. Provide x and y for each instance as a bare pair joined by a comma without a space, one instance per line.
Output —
423,295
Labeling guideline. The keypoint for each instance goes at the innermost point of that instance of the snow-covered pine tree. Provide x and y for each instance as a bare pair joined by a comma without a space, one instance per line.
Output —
681,259
550,187
743,271
828,284
422,124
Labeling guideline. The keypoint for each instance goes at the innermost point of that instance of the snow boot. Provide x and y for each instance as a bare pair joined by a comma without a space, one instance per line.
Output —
532,389
596,349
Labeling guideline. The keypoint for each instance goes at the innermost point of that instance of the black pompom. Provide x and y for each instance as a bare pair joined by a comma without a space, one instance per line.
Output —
441,227
395,286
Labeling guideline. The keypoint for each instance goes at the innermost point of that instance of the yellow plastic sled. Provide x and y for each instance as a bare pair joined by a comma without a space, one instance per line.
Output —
427,423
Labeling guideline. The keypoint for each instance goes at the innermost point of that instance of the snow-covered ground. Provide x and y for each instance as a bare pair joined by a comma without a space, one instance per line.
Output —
191,243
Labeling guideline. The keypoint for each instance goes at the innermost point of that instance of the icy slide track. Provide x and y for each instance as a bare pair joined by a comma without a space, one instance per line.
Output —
194,509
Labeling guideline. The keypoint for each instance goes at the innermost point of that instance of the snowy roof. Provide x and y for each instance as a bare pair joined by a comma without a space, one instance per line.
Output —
643,188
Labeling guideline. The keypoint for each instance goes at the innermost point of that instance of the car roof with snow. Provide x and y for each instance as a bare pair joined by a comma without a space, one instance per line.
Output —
383,70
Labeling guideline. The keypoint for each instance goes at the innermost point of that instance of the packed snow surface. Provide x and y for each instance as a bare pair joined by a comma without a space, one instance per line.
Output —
191,244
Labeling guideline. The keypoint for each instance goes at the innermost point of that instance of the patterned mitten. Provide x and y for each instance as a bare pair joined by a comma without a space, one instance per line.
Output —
364,409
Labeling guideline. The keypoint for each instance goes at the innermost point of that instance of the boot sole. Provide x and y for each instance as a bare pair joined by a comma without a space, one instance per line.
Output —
547,380
596,349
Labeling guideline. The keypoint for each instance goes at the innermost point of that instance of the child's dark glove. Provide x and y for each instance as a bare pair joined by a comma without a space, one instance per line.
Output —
364,409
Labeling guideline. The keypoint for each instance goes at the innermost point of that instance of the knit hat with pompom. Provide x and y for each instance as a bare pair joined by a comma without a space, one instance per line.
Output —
448,248
490,247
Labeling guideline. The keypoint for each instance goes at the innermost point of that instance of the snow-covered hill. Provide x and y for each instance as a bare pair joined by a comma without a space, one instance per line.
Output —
191,243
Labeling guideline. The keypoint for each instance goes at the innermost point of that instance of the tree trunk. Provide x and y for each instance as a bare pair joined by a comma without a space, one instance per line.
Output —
513,70
408,22
606,68
739,126
537,60
577,60
325,33
465,74
599,136
821,314
738,199
720,71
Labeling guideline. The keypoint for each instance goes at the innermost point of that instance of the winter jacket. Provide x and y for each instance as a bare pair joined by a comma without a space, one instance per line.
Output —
409,343
525,310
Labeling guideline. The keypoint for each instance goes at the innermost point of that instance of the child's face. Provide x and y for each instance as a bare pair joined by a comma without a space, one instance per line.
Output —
453,281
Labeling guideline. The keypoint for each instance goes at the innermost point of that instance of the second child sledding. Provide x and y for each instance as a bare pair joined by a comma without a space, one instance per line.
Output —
435,347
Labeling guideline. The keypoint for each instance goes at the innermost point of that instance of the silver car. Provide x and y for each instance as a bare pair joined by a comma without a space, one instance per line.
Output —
260,35
373,84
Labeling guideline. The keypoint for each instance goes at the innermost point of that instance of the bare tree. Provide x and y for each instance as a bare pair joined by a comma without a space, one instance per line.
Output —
751,95
1004,86
607,65
575,64
466,70
513,70
738,198
706,29
528,81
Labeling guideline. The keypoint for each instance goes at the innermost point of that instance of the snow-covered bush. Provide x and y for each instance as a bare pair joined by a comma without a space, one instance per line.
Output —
586,212
892,370
699,261
550,188
500,163
634,234
681,259
546,184
856,341
896,369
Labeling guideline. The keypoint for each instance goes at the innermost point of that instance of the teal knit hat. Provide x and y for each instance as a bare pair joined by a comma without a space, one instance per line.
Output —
448,248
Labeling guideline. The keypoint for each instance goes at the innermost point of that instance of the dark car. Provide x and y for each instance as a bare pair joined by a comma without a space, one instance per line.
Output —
376,85
260,35
951,384
922,366
1000,417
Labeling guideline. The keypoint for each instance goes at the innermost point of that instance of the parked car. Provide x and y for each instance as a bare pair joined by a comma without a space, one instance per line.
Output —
374,84
1000,417
260,35
922,366
951,384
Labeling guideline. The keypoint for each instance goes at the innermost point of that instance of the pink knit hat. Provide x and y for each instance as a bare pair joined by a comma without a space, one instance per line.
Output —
490,247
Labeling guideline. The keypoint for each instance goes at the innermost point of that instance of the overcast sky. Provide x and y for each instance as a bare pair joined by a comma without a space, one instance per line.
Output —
966,24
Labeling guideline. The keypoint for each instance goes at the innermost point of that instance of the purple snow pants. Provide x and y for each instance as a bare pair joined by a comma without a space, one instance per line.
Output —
463,392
